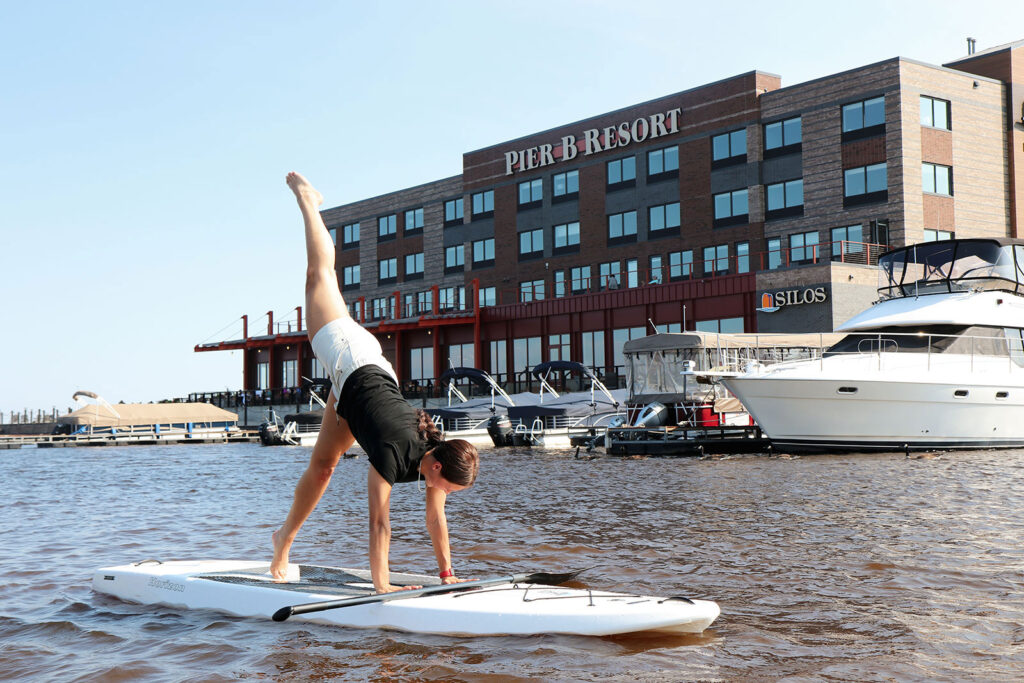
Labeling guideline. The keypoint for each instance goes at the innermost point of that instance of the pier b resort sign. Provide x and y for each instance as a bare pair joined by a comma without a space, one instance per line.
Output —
594,140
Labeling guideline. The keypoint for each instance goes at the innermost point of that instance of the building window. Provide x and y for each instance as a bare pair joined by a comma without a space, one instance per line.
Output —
716,259
387,226
864,119
414,266
350,276
349,235
731,208
592,346
262,375
355,309
425,301
461,355
566,237
622,172
387,270
782,137
664,217
483,253
936,235
333,232
663,163
525,354
743,257
936,179
680,265
935,113
531,244
619,339
774,253
384,307
803,247
421,363
454,258
784,199
413,221
622,227
560,289
722,326
483,204
290,373
729,148
499,358
610,275
848,243
558,347
566,185
865,184
450,298
531,193
655,270
533,290
453,211
488,296
632,273
579,279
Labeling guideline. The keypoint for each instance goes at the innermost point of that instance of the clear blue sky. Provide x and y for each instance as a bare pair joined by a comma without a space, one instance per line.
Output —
143,146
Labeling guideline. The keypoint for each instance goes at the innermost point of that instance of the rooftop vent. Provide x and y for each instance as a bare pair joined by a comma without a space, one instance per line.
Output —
970,46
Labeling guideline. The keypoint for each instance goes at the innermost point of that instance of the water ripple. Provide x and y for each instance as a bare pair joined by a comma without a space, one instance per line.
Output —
855,567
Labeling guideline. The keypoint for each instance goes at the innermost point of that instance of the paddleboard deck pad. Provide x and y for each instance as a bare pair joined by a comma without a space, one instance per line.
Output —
246,589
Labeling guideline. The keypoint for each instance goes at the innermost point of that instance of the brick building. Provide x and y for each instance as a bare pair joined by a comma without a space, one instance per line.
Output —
734,206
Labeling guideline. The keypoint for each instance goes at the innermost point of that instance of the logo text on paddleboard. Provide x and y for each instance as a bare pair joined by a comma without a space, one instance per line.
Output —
166,585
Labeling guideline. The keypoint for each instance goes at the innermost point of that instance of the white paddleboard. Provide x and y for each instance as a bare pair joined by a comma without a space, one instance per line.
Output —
246,589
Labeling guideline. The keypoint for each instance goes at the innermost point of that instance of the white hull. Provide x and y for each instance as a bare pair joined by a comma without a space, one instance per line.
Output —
516,609
888,400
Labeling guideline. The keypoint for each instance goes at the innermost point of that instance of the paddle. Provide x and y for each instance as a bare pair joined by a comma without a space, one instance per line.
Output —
542,578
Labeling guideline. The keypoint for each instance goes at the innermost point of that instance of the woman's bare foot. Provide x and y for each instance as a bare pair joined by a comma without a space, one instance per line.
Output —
304,191
279,565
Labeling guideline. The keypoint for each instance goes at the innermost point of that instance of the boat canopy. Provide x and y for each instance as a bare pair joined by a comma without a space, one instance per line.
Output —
472,374
660,367
957,265
577,404
543,369
139,414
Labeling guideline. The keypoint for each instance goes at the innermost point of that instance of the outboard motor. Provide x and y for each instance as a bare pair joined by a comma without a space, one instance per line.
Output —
653,415
500,429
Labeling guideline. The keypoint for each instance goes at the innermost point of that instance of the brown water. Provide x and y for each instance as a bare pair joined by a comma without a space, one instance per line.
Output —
854,567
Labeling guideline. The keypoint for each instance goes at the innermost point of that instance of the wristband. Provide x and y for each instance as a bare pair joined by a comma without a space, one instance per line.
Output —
447,573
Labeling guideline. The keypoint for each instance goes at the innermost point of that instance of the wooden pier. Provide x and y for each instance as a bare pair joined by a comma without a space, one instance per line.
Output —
99,440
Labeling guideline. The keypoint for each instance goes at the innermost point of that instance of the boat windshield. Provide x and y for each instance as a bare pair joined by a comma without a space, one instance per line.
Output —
975,340
951,266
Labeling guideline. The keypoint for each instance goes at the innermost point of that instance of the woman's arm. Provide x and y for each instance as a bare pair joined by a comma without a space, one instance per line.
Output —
437,525
379,494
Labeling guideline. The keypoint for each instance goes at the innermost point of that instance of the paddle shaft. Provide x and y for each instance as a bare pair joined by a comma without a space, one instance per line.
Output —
541,577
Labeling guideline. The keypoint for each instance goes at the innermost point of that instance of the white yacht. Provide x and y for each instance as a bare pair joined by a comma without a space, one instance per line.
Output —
937,362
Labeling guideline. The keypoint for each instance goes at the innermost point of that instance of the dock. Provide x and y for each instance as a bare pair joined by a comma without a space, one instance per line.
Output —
99,440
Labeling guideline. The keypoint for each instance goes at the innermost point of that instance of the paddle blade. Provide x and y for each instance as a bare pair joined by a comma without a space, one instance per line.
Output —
283,613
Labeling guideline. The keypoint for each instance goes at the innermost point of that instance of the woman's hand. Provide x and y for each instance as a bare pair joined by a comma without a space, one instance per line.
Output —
394,589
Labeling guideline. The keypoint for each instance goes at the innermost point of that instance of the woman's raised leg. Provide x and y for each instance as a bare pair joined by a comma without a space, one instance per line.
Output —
324,302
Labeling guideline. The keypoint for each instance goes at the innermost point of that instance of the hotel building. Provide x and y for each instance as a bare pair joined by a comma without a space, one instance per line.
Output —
739,205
